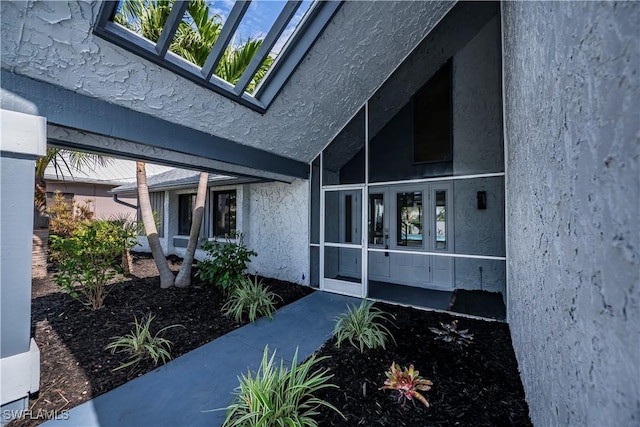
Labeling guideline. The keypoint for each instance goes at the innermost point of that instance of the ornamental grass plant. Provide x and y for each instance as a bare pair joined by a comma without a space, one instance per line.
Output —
251,298
363,326
279,396
141,345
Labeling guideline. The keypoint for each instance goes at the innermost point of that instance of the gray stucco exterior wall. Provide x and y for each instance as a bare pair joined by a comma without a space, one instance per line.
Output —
572,94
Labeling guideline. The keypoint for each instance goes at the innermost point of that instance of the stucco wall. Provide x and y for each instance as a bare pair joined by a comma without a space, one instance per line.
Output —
101,202
572,96
279,230
52,41
274,218
479,232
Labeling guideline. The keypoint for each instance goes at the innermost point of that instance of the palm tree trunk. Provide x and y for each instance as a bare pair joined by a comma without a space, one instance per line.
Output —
184,275
127,262
166,275
40,230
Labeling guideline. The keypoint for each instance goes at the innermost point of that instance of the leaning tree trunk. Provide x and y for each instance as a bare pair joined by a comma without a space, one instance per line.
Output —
184,275
166,275
127,262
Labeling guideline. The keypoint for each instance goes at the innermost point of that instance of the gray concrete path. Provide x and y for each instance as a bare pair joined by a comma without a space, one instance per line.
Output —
180,392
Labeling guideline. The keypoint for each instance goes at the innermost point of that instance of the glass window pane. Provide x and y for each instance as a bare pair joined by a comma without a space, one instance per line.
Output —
432,119
225,213
343,217
409,219
348,215
253,28
343,264
186,203
441,220
376,219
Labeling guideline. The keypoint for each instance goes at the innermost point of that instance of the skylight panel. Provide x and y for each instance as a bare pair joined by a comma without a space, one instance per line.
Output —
228,46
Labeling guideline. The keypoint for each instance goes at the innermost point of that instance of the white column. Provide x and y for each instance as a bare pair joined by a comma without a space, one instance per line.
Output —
22,140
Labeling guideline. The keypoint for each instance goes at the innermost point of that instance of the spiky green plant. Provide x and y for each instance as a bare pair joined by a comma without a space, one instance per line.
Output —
450,333
250,297
277,396
141,345
407,383
363,327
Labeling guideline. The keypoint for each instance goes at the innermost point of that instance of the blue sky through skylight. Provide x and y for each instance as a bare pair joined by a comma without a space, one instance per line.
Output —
259,18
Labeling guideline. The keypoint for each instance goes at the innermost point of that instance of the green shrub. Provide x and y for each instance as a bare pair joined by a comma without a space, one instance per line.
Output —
225,263
66,215
277,396
88,261
362,325
141,345
249,297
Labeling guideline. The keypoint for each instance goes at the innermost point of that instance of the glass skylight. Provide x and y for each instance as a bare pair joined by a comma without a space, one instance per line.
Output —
245,50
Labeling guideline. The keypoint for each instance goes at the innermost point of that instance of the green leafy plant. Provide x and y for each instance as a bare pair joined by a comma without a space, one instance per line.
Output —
362,327
125,231
250,297
141,345
450,333
407,383
66,215
88,261
277,396
225,263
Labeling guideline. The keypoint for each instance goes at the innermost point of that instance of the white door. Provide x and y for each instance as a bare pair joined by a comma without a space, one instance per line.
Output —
341,248
418,218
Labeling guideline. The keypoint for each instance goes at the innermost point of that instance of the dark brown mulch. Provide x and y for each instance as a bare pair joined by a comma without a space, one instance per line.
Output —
478,385
74,364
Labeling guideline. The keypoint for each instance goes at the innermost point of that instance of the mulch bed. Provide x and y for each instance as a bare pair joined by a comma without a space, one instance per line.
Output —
478,385
74,366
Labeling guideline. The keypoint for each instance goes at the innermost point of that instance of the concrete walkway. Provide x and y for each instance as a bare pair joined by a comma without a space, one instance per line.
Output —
179,393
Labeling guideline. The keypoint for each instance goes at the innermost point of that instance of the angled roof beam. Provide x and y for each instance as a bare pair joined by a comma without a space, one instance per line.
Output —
267,44
228,30
69,109
171,26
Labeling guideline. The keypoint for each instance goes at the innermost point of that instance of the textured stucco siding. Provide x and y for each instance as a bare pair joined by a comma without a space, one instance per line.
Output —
279,230
479,232
52,41
274,219
572,96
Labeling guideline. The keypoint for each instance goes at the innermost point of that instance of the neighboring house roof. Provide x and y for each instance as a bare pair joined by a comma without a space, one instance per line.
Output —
117,172
175,179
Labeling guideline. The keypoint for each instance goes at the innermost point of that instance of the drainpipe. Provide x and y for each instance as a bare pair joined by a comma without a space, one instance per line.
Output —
129,205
